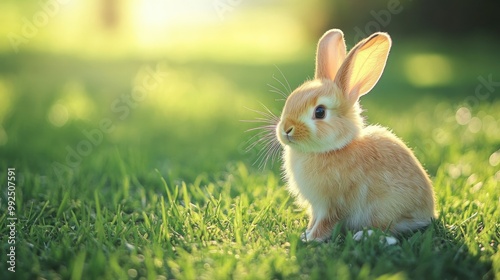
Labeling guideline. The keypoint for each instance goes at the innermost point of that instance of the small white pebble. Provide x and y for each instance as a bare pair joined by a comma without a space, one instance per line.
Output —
391,240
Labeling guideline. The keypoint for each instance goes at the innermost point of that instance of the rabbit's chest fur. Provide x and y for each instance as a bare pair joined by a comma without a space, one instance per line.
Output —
325,185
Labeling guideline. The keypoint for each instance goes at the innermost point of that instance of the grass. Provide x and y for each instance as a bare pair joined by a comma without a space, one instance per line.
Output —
170,193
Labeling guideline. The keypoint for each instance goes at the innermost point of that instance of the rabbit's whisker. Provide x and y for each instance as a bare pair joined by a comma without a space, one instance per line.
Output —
286,87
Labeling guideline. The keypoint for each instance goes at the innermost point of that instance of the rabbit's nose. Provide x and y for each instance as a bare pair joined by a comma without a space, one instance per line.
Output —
288,129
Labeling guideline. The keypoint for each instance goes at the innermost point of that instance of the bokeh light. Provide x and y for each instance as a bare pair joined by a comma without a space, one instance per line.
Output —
475,125
58,115
424,70
495,158
463,116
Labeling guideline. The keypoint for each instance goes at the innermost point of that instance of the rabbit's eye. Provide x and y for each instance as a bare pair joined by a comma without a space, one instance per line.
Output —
320,112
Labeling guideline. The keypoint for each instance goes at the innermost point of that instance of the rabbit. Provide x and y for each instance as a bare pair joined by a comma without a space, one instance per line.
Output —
341,170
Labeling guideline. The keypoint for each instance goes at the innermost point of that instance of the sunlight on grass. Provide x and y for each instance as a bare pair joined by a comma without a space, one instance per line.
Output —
151,29
154,21
245,41
427,70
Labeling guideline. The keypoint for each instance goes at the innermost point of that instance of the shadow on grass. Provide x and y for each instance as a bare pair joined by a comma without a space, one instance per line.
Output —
434,253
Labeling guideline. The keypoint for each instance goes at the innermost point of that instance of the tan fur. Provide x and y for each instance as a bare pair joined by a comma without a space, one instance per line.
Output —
332,46
337,167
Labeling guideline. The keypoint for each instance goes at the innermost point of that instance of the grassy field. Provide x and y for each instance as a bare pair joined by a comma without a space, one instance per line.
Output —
160,187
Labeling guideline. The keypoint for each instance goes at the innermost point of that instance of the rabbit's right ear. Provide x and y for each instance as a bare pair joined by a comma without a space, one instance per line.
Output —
364,65
330,54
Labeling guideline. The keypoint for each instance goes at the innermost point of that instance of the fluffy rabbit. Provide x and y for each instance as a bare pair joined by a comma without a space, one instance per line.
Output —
342,170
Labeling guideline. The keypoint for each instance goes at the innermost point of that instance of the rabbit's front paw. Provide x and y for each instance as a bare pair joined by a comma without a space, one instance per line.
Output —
310,235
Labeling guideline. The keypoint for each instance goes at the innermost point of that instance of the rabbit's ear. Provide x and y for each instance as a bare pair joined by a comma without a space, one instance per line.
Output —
330,54
364,65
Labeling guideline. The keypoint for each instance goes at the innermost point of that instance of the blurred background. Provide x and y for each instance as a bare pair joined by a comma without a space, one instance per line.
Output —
164,84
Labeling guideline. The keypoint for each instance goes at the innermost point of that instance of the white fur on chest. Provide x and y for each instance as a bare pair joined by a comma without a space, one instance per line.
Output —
325,193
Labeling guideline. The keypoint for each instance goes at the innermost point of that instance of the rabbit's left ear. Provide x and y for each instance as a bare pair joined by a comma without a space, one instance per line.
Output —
330,54
364,65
